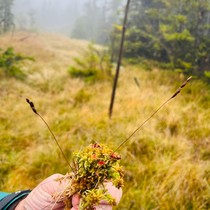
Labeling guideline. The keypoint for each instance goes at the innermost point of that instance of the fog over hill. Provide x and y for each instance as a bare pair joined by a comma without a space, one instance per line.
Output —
49,15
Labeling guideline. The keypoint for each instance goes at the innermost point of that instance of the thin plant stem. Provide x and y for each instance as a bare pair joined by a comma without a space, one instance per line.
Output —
173,96
56,141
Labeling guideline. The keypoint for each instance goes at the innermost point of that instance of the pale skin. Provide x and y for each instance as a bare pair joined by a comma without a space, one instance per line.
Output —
41,196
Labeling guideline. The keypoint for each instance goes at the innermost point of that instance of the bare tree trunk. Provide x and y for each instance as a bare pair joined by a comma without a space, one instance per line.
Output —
119,61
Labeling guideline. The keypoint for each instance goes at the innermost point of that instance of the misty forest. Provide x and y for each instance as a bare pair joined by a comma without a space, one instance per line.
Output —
106,91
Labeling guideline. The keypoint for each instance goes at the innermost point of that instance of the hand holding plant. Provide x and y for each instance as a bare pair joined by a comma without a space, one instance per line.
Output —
41,196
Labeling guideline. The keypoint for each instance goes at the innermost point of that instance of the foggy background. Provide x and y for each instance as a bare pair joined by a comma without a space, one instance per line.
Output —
77,18
49,15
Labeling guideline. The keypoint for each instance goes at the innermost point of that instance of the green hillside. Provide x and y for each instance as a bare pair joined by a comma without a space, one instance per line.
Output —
166,163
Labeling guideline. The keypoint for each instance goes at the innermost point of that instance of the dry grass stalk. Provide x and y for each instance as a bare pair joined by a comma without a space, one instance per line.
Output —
173,96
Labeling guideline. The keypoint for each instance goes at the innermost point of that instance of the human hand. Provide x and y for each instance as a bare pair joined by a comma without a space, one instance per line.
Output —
41,197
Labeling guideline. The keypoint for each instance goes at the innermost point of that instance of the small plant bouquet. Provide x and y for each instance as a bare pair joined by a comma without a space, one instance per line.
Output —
94,166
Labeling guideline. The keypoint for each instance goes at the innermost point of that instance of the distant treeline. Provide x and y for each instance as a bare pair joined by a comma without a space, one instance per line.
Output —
176,33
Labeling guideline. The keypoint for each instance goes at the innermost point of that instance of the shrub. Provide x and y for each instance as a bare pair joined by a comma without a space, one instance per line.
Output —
10,63
92,66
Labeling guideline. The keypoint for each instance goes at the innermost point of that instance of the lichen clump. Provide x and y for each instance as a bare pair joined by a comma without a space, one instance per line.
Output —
94,166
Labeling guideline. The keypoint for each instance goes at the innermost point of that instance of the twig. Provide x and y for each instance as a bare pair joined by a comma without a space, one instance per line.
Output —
137,82
119,60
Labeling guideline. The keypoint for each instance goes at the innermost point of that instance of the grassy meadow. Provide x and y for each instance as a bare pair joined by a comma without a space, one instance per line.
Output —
166,163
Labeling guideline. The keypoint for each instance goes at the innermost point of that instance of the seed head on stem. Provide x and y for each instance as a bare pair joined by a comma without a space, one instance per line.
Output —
35,111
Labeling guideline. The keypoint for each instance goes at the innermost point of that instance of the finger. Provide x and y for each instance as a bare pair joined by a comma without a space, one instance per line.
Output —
75,202
103,207
113,191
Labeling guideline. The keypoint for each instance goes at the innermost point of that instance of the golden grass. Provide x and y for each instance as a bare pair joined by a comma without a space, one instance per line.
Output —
167,163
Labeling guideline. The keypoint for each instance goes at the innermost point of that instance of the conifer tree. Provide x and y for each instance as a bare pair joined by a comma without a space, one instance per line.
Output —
174,32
